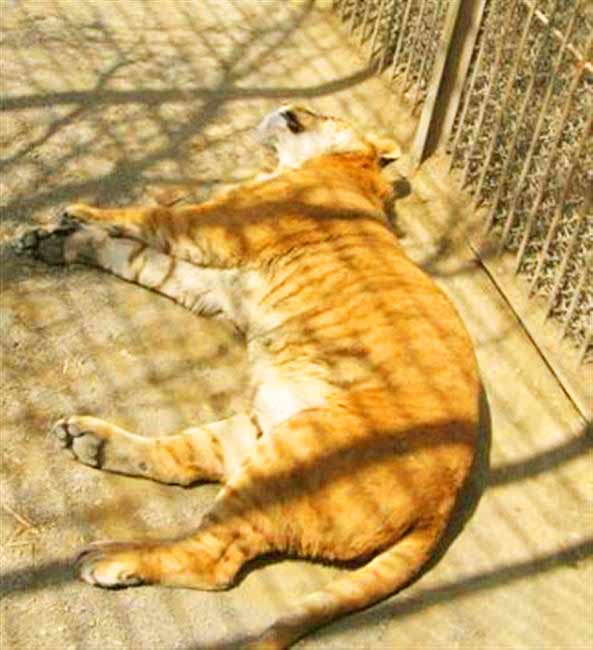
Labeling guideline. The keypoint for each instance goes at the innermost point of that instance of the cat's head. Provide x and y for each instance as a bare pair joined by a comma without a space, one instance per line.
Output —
298,134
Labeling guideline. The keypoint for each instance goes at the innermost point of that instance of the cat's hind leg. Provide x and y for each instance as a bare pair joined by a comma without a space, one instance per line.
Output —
212,452
208,559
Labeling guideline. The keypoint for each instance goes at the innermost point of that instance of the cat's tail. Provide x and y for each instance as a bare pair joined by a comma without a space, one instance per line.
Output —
384,575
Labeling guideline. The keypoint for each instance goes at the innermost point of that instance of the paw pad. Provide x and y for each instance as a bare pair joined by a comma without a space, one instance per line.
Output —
46,244
109,565
85,446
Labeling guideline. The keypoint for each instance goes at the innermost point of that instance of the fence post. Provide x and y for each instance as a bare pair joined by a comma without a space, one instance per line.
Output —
460,31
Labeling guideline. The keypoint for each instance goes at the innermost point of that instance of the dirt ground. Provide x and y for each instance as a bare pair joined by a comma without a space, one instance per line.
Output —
153,101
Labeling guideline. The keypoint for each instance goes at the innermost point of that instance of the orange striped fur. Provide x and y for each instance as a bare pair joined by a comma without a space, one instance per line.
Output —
364,382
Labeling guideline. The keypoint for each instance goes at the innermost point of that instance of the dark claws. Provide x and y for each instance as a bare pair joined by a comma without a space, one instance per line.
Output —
27,243
46,243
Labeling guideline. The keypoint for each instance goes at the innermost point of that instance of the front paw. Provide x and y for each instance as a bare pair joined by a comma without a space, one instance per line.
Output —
111,564
78,435
47,243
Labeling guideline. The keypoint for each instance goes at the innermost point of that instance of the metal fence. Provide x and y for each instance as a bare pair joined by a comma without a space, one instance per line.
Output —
400,37
505,87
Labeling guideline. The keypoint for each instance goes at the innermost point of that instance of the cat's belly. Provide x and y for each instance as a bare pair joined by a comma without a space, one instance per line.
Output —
278,395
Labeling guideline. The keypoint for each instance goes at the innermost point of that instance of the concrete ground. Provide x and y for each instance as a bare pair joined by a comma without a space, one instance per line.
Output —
115,102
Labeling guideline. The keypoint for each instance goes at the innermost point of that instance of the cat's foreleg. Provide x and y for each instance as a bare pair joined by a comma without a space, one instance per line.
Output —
201,234
131,216
200,289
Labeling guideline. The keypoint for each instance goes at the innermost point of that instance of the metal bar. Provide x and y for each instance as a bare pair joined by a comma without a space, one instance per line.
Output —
553,150
577,294
460,47
511,150
506,166
536,132
502,105
556,219
365,20
497,59
431,38
463,42
560,37
413,47
422,130
390,27
343,8
353,18
563,265
400,40
378,18
469,94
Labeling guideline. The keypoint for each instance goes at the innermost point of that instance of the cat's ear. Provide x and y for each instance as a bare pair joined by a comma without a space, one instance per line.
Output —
388,150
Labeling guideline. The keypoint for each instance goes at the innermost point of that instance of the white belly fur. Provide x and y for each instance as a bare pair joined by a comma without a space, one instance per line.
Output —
278,393
277,401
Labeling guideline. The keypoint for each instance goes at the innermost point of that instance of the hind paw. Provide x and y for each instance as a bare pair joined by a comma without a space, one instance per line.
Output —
111,565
